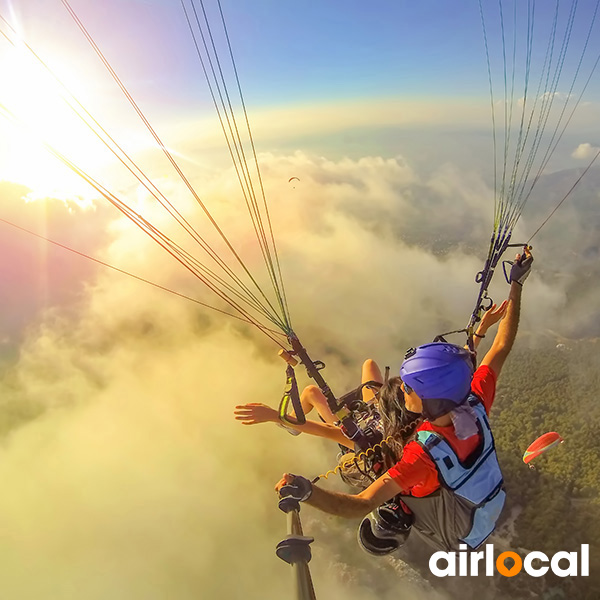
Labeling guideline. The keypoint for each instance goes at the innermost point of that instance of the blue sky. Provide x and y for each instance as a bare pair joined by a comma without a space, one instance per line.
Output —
335,50
290,51
330,50
308,50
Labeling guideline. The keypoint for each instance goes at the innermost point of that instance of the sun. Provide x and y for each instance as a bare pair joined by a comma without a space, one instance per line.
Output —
37,115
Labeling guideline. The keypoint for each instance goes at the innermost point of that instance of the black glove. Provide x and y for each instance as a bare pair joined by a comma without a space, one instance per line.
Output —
299,489
521,268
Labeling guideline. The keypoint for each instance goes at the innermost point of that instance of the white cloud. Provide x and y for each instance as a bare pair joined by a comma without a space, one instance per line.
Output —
124,474
585,151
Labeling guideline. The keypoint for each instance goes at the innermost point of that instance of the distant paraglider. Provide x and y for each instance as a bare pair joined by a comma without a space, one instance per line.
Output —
543,443
292,178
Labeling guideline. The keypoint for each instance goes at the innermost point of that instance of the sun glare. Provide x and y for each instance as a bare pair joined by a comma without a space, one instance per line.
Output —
38,115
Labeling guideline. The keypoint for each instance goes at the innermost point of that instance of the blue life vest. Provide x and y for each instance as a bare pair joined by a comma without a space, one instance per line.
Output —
471,495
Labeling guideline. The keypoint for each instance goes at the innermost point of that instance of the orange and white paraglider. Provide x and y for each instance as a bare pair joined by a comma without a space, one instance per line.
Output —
541,445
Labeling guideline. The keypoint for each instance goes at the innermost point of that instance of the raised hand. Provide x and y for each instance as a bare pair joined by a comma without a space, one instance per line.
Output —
521,267
492,316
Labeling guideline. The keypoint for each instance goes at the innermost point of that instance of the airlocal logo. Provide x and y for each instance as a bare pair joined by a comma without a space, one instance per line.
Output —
535,564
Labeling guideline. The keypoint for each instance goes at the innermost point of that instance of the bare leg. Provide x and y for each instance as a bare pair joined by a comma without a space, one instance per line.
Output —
313,397
370,372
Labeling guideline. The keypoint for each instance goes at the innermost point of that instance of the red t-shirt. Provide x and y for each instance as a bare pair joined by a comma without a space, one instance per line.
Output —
415,472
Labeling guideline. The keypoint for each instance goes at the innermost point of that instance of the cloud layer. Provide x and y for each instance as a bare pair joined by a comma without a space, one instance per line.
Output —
124,472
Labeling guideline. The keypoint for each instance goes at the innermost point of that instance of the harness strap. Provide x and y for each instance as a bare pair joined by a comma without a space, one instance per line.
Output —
290,394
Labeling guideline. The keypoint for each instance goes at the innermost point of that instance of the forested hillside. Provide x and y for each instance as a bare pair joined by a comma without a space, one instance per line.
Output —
555,506
553,388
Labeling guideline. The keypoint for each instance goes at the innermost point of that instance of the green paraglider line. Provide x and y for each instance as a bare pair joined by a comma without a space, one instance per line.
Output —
510,199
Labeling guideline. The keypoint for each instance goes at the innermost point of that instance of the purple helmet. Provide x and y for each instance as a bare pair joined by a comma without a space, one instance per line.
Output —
440,374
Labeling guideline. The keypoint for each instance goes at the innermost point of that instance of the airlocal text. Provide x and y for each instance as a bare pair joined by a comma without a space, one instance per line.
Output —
535,564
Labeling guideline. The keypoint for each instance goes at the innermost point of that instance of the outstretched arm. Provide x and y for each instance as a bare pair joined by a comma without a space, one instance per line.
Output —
507,330
347,505
311,397
254,413
490,317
